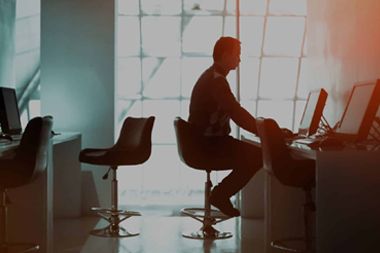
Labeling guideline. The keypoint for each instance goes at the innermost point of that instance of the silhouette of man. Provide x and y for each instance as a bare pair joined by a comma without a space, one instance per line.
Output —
212,106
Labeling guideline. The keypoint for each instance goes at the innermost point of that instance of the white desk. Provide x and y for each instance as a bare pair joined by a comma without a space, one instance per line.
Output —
31,213
347,200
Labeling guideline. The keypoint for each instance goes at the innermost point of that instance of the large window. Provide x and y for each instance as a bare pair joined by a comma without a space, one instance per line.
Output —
164,45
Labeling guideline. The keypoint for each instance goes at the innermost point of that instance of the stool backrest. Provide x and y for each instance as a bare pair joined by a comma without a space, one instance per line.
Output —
188,142
276,155
136,135
34,144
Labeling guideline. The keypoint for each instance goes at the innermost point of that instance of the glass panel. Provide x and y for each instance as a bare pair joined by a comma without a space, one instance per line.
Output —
251,35
185,105
163,7
165,112
278,77
203,7
247,7
34,108
303,83
128,37
129,78
304,53
127,108
300,107
131,182
27,34
161,77
200,34
192,68
161,36
249,76
288,7
25,8
288,31
250,106
279,110
229,27
129,7
161,175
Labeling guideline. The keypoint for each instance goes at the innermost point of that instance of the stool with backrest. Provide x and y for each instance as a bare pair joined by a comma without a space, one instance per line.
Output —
133,147
290,172
190,150
22,167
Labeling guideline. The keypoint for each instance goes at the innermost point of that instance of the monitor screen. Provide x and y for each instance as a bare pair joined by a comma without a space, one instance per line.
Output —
9,112
312,113
360,110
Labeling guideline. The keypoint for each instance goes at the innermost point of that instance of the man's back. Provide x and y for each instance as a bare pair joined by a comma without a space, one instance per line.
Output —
205,109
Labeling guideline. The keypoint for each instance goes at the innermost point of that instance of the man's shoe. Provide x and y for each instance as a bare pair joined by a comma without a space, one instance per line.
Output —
224,205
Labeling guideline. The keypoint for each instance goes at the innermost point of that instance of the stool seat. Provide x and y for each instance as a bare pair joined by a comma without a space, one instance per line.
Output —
20,167
299,173
111,157
132,147
193,151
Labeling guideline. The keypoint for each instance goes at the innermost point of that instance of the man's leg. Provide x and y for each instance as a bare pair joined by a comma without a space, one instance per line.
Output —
244,160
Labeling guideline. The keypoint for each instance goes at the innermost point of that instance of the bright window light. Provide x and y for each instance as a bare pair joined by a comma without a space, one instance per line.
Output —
129,78
288,7
128,42
278,78
161,36
284,36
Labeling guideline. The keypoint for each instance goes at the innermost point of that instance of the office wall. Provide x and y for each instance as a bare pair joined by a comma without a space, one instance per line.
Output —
7,45
343,47
77,78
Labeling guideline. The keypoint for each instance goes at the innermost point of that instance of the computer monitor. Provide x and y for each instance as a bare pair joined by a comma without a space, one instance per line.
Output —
312,113
9,112
360,111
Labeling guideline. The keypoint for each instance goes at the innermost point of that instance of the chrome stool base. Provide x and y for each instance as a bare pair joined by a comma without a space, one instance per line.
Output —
18,247
114,217
109,232
207,218
207,233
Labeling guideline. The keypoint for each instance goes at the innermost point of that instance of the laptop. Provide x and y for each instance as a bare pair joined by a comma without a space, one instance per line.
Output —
360,112
9,114
358,116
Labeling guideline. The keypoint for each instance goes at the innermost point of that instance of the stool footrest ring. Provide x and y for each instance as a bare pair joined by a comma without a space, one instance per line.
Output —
199,213
110,232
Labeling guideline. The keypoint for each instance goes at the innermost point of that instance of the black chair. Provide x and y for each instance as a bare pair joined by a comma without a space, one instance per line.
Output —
291,172
21,167
190,149
132,147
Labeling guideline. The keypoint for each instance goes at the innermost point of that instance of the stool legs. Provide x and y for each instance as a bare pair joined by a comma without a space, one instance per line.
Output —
6,246
307,241
113,215
210,218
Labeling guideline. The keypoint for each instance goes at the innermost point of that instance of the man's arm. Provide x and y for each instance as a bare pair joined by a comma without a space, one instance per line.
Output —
232,107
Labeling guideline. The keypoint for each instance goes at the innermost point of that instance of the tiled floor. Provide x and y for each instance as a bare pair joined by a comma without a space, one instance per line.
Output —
157,235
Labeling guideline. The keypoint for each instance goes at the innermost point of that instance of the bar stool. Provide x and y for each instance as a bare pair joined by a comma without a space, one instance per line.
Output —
20,168
189,144
132,147
291,172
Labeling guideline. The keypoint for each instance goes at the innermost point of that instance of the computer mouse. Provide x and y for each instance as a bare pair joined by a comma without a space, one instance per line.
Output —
331,143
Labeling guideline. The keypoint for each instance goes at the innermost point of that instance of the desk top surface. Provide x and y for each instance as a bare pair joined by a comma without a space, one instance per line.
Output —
304,151
57,139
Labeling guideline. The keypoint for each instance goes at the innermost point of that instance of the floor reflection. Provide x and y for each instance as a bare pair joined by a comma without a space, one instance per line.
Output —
158,235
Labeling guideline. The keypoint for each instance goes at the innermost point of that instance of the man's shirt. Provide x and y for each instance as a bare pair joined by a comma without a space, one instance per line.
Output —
213,104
